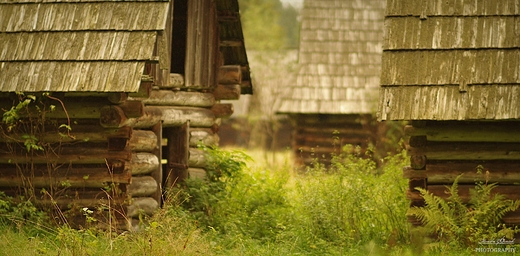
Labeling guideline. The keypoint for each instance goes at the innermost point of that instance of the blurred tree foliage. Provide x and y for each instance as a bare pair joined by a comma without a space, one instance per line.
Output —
269,25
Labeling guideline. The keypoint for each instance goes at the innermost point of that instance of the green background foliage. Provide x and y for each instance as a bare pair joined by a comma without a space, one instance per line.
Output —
269,25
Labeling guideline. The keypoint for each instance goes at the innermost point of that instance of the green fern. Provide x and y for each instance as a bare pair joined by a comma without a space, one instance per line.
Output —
454,222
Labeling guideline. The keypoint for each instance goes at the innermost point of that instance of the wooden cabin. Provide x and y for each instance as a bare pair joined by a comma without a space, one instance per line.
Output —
104,102
334,98
452,68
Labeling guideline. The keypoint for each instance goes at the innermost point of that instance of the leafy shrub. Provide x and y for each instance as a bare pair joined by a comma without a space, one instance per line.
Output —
200,196
353,202
458,224
19,212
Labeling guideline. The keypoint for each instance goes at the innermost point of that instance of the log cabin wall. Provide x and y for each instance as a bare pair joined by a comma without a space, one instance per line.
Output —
319,137
487,151
451,69
134,125
337,83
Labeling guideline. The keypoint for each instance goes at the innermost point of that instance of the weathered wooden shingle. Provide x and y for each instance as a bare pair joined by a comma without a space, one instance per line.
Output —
340,58
77,45
451,60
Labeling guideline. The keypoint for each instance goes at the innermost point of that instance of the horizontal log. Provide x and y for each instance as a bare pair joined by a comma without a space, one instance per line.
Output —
446,172
418,162
467,131
75,108
114,117
78,198
144,89
319,150
176,80
227,92
117,97
351,130
197,173
142,141
178,98
67,203
203,136
132,108
328,120
142,186
79,177
512,218
113,97
78,133
178,116
222,110
314,141
467,151
142,163
76,155
142,205
197,158
229,74
170,116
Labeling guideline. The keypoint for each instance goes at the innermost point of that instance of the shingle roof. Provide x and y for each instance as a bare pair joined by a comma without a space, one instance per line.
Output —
74,45
340,58
451,60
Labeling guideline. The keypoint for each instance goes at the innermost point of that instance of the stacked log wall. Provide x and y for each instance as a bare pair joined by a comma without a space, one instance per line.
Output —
487,151
116,140
318,137
106,169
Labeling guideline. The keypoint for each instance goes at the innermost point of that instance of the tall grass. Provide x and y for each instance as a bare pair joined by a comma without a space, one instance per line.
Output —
255,208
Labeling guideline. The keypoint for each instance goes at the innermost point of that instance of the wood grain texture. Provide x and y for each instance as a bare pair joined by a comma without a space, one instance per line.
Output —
457,60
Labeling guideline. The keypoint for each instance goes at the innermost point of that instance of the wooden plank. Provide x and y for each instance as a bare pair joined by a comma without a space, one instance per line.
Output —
102,76
177,154
230,74
76,155
64,177
428,101
81,16
451,32
79,133
467,151
170,116
415,8
80,45
157,172
316,141
437,172
202,43
227,92
178,98
471,132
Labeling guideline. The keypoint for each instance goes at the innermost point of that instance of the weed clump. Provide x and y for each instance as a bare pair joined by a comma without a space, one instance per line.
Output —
458,224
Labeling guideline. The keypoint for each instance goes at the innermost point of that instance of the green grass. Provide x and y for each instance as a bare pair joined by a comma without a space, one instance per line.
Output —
257,205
